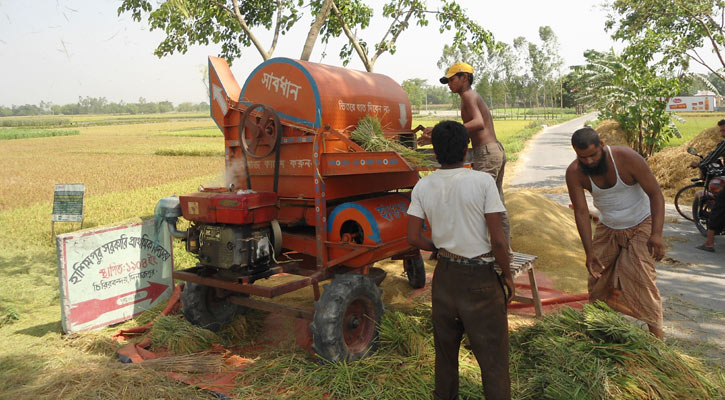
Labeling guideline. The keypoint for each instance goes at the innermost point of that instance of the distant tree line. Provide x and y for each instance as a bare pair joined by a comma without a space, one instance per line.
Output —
523,75
99,105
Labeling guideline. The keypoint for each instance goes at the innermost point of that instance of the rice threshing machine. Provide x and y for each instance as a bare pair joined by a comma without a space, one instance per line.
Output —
301,198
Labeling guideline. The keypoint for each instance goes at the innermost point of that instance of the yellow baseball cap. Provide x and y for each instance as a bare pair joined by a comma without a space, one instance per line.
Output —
456,68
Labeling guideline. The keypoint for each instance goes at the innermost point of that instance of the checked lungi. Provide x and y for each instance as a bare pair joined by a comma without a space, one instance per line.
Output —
628,282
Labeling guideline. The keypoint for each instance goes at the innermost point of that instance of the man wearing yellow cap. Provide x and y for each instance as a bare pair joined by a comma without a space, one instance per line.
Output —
488,153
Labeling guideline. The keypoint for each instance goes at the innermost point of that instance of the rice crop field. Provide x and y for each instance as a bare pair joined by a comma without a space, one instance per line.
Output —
512,134
14,133
692,124
108,159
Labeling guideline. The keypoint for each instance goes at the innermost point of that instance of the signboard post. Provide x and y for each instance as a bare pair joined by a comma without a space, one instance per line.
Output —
112,274
68,204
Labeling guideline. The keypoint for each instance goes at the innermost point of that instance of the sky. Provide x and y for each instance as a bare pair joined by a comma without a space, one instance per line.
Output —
59,50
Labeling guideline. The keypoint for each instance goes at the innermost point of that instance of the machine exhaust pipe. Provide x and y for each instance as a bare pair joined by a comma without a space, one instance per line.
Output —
169,209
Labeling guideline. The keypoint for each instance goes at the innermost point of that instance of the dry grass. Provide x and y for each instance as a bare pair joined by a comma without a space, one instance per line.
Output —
612,134
670,166
93,378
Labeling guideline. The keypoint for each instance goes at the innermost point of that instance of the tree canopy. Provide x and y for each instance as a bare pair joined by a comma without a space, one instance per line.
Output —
673,30
236,25
630,92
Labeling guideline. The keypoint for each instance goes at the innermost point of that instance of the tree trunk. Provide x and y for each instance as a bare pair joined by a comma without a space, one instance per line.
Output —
353,40
315,30
240,18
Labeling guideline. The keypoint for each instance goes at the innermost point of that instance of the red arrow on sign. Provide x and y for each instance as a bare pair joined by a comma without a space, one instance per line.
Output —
89,310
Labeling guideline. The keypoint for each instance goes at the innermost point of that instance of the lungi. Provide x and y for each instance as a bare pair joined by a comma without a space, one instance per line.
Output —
628,282
491,159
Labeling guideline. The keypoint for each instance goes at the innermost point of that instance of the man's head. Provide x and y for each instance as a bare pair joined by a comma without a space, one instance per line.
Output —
450,141
456,75
721,124
589,152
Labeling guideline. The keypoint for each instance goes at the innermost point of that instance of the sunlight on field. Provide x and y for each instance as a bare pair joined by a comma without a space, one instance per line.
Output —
693,125
107,159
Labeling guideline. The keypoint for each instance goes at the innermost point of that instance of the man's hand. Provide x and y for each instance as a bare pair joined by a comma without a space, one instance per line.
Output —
593,261
509,283
693,164
656,247
426,137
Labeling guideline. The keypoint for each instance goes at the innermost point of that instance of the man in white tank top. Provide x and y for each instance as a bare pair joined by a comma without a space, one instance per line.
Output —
628,239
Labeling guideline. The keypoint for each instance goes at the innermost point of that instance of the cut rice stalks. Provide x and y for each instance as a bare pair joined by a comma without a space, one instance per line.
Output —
595,353
203,362
369,135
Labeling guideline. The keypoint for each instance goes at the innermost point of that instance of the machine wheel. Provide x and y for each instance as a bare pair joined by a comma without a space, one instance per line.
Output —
259,128
684,197
700,215
346,318
415,270
203,306
377,275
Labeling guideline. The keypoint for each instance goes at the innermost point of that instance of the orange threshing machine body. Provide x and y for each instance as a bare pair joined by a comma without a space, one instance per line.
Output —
300,198
319,166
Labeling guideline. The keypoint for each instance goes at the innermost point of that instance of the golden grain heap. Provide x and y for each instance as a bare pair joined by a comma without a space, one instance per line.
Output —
670,166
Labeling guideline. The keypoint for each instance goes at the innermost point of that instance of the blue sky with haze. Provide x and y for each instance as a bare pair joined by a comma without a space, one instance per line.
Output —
60,50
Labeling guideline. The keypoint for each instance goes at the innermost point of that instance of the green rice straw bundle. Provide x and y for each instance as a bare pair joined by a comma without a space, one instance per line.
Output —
597,354
180,336
369,135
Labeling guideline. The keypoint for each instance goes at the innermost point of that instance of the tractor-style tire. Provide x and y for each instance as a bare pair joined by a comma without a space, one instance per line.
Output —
415,270
345,324
202,307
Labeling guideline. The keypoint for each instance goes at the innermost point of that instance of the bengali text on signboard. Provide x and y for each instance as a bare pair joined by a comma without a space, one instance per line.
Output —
68,203
111,274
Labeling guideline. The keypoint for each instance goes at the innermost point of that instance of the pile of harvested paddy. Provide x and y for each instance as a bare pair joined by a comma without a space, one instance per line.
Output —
180,337
595,353
670,166
544,228
612,134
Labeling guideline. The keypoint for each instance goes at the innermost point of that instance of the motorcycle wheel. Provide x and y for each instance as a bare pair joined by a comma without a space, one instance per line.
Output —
684,198
701,212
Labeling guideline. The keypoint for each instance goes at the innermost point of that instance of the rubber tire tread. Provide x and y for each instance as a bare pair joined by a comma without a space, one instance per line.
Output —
198,311
326,328
677,199
415,270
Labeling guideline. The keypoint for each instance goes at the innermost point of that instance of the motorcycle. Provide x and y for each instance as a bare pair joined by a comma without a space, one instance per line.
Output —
710,182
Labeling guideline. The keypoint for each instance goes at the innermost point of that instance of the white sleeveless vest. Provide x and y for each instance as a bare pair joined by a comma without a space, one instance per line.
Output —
621,206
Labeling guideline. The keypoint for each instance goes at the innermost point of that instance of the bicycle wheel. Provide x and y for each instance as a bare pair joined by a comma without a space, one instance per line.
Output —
684,197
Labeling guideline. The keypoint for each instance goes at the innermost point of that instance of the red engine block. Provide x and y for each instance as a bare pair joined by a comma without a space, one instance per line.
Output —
221,206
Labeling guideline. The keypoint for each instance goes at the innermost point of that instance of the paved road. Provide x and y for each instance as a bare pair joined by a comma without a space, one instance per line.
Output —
691,281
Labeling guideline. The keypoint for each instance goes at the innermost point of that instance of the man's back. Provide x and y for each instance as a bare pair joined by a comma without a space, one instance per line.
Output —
455,202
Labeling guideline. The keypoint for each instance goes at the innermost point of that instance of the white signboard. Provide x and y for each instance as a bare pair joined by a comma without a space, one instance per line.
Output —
691,103
112,274
68,203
